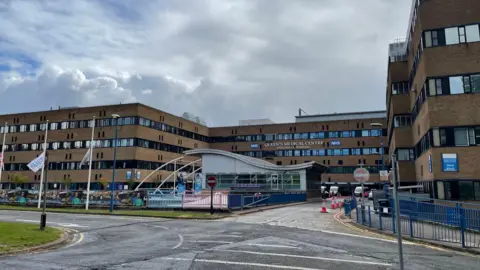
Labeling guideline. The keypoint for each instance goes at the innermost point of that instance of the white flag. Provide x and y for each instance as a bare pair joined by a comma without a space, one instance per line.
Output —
86,158
37,163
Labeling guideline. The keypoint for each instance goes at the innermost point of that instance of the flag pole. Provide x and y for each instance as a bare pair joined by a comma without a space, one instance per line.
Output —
2,156
43,167
90,165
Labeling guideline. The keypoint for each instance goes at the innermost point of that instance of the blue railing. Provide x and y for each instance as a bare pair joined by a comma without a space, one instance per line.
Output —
443,221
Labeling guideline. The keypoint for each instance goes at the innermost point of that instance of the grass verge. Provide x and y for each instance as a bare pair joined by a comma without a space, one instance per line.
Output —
142,213
17,236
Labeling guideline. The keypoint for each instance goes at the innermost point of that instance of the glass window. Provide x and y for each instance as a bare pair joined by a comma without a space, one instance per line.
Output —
403,154
306,153
451,36
456,85
313,135
476,187
436,137
366,151
473,33
461,34
288,153
477,136
337,152
34,146
33,127
64,125
345,134
461,136
365,133
23,128
438,85
428,39
471,136
375,132
434,38
356,151
53,126
297,153
296,136
333,134
321,135
466,84
431,87
55,145
443,137
13,128
67,145
475,83
42,126
466,190
345,152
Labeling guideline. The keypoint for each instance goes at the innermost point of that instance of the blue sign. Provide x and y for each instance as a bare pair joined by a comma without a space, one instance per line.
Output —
254,145
449,163
335,143
430,163
198,184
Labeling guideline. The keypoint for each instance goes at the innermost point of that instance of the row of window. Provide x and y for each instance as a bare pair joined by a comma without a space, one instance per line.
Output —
317,152
130,142
448,137
101,164
451,36
400,88
107,122
302,136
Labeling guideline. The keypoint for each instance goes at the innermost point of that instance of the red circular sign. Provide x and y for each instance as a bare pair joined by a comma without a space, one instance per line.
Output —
211,181
361,175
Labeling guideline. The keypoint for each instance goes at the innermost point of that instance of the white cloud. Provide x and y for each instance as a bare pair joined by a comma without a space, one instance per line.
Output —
223,60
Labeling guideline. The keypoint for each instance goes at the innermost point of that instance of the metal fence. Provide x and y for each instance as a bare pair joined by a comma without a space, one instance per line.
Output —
203,201
240,201
425,220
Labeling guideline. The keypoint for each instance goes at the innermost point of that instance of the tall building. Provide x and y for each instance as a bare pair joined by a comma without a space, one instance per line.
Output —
149,138
433,111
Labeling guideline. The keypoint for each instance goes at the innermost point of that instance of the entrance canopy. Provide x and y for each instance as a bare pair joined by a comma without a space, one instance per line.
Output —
235,171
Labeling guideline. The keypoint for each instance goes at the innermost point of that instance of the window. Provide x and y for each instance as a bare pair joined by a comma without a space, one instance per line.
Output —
461,136
452,36
340,162
53,126
55,145
64,125
435,87
473,33
405,154
375,132
365,133
402,120
33,127
477,136
346,134
67,145
333,134
475,83
456,85
399,88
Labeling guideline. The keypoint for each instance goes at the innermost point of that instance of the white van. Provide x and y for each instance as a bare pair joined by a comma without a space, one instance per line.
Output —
358,191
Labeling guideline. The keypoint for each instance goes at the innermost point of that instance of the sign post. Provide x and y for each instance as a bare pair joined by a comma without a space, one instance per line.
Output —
362,175
212,182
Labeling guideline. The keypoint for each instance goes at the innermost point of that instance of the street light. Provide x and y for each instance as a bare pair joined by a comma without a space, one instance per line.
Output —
112,184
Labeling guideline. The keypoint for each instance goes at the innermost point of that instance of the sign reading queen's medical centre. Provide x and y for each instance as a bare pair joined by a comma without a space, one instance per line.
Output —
292,144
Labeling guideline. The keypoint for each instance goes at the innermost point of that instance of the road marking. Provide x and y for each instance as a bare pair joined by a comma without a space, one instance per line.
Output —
80,239
303,257
57,223
179,243
242,263
211,241
276,246
158,226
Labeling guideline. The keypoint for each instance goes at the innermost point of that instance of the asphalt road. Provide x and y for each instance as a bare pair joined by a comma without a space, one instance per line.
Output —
296,237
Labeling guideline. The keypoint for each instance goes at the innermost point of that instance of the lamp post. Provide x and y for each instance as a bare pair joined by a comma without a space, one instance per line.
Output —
112,184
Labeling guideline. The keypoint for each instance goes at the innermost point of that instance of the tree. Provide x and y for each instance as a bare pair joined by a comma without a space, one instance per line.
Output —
103,182
19,179
67,182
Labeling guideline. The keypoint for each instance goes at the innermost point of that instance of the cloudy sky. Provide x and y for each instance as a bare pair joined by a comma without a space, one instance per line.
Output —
224,60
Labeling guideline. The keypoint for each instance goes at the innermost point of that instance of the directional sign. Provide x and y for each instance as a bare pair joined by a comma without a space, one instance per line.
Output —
361,175
211,181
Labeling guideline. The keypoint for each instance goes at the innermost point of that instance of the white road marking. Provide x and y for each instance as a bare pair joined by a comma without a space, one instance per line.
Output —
56,223
303,257
179,243
243,263
212,241
158,226
366,237
276,246
79,240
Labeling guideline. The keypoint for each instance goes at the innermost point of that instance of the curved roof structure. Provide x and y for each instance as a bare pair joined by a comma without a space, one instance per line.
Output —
259,163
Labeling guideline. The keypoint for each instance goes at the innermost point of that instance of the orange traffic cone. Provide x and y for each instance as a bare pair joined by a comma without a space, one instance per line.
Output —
337,204
333,204
324,209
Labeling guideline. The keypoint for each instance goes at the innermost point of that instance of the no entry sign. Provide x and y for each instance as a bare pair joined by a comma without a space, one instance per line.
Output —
211,181
361,175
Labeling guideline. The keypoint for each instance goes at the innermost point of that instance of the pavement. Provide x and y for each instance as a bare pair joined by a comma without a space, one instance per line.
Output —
296,237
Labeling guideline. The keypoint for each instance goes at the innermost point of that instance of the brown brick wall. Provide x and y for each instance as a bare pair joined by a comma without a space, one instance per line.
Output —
444,13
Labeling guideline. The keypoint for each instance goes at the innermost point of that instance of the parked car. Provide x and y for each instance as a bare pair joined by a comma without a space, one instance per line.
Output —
358,192
370,194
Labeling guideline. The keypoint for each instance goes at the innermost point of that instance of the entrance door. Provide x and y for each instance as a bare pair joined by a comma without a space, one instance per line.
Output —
274,181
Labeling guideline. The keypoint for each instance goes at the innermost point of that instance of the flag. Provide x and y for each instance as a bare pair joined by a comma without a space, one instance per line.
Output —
86,158
37,163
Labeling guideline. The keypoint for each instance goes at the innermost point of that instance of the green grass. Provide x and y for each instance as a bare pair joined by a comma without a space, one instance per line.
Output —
17,236
143,213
